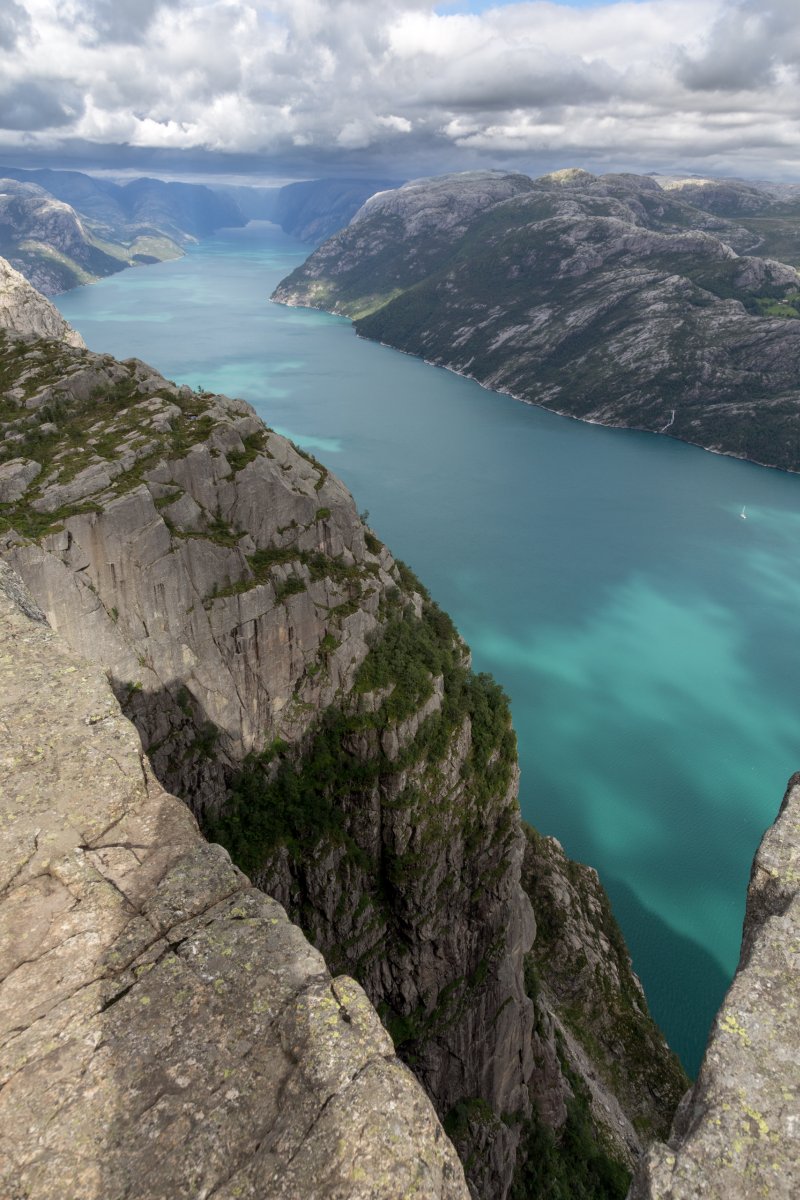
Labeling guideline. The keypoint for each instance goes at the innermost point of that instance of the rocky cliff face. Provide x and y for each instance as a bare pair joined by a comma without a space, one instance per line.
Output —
46,240
25,313
301,692
297,688
736,1134
607,298
164,1029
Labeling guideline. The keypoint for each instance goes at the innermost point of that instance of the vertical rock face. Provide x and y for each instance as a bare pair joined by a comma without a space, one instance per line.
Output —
300,691
592,1009
298,688
737,1134
24,312
164,1029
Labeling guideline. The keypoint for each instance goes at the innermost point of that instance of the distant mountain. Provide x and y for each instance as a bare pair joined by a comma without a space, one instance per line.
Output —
311,210
254,203
63,228
48,242
317,208
608,298
769,211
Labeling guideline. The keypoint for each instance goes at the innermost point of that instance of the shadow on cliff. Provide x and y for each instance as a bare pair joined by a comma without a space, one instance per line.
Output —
689,999
189,755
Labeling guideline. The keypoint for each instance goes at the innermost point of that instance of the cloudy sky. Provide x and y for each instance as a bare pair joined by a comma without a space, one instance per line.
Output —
295,88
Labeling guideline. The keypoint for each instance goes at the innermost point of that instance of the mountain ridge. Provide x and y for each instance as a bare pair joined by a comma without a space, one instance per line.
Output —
603,298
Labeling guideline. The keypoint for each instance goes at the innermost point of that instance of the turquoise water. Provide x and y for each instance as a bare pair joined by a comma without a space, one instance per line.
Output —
646,634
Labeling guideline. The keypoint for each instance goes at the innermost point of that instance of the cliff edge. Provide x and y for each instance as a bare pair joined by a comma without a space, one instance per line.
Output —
164,1028
299,690
736,1135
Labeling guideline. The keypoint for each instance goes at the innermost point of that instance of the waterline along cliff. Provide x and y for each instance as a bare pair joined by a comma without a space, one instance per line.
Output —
609,298
315,711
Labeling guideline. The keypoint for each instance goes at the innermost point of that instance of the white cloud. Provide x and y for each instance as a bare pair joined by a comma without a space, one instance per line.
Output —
699,84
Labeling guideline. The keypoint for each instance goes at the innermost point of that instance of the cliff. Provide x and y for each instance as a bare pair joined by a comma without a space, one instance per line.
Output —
300,691
606,298
296,688
25,313
164,1028
736,1135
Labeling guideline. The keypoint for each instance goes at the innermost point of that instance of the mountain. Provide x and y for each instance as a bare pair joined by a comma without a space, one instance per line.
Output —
311,210
315,209
63,228
47,241
297,687
606,298
769,211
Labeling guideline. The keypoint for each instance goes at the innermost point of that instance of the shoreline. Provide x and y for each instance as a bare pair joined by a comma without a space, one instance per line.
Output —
500,391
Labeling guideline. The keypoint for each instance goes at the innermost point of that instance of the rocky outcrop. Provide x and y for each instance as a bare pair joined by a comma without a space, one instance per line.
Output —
736,1134
591,1011
607,298
164,1028
299,690
26,313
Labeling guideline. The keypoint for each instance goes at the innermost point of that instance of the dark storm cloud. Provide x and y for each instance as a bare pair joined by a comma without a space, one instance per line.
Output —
401,86
31,106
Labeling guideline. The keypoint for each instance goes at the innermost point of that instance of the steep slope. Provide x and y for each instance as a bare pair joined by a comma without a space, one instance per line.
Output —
164,1029
26,313
316,208
606,298
736,1134
46,240
302,693
298,689
63,228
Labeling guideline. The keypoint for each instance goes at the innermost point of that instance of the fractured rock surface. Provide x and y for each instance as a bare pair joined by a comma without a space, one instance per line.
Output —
165,1031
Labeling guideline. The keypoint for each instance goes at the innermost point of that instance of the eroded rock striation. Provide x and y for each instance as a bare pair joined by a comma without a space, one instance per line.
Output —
737,1133
297,688
164,1029
607,298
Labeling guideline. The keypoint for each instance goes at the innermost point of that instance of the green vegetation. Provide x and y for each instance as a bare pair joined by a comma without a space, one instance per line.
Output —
76,429
254,444
569,1165
318,782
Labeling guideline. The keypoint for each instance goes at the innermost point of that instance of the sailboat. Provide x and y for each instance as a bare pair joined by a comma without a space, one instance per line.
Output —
743,513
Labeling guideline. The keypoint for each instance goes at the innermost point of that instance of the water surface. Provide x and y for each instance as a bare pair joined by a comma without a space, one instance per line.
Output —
646,634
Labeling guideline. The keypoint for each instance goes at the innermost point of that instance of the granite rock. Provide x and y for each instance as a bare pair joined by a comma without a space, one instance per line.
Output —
736,1135
164,1029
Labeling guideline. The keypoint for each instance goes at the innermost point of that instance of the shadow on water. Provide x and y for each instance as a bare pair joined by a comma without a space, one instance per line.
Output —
684,985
